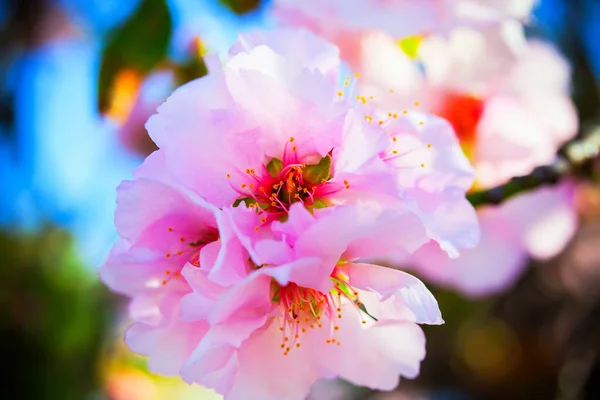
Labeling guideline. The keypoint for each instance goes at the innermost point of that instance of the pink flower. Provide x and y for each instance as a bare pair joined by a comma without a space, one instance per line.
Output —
240,235
164,226
508,102
307,311
281,131
537,224
503,86
346,22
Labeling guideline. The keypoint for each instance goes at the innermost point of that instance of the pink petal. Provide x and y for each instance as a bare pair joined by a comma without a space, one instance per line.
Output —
546,217
156,216
249,302
493,265
389,282
260,356
167,346
448,217
390,349
299,47
229,266
211,364
175,129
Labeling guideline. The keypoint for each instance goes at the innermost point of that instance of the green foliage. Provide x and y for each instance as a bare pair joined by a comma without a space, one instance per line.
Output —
140,44
241,6
190,70
53,319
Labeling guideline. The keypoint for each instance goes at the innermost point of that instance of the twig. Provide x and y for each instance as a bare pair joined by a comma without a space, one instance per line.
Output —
574,159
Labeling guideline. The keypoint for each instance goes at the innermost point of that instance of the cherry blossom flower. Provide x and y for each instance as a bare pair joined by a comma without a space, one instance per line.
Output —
163,227
538,224
508,102
346,22
241,234
307,310
282,130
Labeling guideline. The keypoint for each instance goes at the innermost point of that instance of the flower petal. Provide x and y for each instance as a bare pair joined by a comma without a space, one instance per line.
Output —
389,282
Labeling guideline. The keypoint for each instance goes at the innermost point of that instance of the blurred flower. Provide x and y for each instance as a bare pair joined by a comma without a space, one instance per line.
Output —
492,86
538,224
508,102
133,99
239,235
346,22
125,377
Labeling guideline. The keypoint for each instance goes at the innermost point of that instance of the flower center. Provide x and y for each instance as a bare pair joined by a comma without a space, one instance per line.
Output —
303,309
186,250
464,113
274,189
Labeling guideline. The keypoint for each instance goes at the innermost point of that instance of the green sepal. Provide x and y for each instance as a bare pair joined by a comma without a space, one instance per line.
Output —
364,309
275,289
339,285
274,167
246,200
318,203
317,173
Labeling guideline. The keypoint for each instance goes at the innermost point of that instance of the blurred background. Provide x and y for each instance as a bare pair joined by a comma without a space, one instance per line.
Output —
79,78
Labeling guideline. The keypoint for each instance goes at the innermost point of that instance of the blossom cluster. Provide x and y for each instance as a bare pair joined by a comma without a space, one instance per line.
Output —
250,240
505,95
243,238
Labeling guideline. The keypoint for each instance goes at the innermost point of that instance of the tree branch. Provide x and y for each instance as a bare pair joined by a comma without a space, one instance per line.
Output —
576,158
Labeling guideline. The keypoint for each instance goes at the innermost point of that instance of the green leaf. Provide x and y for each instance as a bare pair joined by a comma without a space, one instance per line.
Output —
317,173
274,167
191,69
140,44
241,6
